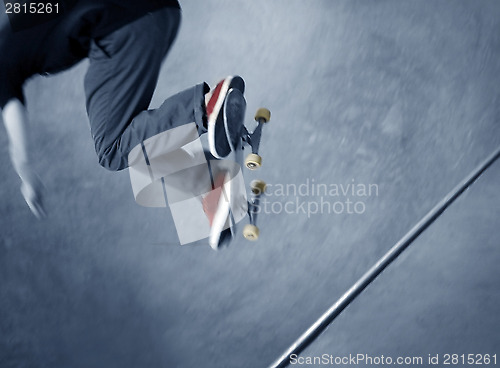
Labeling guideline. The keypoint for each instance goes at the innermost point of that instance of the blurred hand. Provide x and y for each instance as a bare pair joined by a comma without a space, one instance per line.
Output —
32,191
15,120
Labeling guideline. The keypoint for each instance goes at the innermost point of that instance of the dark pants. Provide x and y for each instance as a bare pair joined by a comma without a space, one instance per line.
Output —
119,84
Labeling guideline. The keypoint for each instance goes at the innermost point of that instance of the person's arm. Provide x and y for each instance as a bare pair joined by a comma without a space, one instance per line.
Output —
15,120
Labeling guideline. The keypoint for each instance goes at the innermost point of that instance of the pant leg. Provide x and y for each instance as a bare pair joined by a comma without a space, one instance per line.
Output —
122,75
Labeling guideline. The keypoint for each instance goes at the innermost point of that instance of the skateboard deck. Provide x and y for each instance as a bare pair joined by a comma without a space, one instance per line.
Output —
232,137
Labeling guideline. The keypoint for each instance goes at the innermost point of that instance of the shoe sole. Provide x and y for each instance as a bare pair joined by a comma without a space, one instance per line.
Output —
221,215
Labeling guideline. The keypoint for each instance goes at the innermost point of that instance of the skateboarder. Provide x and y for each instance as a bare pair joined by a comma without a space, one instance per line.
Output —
126,42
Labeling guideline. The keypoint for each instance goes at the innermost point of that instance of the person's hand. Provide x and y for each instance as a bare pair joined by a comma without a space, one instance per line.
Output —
32,191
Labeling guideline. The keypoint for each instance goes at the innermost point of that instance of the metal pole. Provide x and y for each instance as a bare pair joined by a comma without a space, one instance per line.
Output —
320,325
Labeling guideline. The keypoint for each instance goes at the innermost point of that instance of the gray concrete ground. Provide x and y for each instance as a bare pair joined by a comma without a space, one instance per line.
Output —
400,95
440,297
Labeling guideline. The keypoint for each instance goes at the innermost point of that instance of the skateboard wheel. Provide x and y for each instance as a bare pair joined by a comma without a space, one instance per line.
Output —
263,114
251,232
258,186
253,161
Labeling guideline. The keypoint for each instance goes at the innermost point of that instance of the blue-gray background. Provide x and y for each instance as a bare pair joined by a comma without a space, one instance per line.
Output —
403,95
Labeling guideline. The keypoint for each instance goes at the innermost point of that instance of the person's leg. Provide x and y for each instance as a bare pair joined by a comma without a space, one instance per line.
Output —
120,82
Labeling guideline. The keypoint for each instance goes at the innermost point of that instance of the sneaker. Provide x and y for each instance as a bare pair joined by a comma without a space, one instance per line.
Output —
212,199
226,99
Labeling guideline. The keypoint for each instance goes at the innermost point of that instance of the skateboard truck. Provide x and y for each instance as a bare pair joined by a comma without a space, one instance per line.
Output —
251,231
253,161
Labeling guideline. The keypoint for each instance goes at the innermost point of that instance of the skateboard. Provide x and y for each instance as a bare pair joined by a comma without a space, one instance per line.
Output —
232,138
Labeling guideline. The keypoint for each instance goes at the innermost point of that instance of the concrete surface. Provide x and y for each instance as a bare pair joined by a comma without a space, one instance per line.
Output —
401,95
440,297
